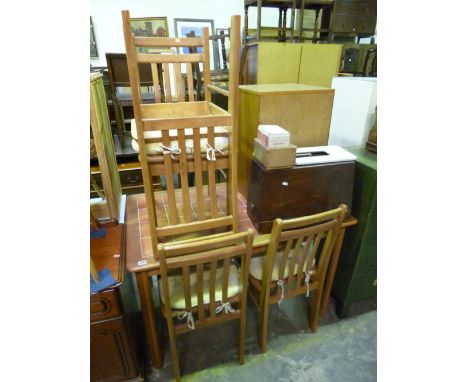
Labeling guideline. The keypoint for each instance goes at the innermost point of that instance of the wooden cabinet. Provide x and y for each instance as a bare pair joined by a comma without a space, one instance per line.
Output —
113,355
303,110
356,274
357,17
297,191
280,63
131,179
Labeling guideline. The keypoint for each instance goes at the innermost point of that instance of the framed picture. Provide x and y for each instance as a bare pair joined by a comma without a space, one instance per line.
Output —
93,52
184,26
149,27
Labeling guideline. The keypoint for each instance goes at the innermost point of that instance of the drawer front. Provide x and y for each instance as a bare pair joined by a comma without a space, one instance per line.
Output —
131,178
104,305
111,355
353,24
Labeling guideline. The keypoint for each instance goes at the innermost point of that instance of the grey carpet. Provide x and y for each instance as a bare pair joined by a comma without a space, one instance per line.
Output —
344,351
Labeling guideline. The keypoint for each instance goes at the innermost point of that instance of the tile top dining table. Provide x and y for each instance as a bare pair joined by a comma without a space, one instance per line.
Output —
141,261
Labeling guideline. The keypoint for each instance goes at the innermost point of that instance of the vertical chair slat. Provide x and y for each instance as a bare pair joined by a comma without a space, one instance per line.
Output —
184,176
167,82
170,192
293,261
212,176
198,173
187,291
201,308
179,82
156,89
303,259
206,63
284,258
213,265
190,82
324,254
310,259
226,265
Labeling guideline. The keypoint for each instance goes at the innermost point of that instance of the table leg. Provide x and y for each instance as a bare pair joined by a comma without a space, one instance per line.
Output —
147,309
331,272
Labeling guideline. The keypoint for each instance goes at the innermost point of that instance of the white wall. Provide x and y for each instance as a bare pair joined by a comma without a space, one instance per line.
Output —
107,19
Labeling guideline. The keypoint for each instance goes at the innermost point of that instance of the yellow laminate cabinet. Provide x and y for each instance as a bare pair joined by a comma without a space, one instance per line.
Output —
281,63
303,110
319,64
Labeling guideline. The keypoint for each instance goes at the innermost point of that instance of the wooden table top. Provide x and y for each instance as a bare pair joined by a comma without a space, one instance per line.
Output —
139,251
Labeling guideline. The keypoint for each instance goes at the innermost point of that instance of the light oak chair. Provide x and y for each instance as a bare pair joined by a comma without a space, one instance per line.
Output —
182,137
296,262
201,285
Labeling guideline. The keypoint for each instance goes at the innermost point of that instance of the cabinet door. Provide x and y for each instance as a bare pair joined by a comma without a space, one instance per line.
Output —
112,358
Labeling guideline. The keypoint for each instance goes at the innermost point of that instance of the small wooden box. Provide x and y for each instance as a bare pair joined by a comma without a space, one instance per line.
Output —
274,157
273,136
297,191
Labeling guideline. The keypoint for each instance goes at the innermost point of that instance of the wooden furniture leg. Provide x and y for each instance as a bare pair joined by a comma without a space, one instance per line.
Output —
331,272
246,25
147,310
259,20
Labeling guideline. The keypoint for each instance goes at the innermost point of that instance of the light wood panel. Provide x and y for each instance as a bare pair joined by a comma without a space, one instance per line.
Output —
303,110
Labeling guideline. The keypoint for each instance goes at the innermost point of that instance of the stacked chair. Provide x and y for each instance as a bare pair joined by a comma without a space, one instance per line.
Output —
193,239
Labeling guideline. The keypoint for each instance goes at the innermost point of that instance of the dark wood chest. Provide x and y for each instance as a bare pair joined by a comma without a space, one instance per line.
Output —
297,191
115,349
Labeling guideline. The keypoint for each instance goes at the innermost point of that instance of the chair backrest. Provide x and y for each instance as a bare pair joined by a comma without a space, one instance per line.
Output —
192,121
174,60
201,257
307,242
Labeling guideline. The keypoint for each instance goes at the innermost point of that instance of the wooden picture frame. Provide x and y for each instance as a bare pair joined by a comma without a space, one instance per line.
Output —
150,27
184,26
93,51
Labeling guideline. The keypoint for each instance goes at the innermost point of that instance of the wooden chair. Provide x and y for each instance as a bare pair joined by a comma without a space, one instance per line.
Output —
118,78
370,70
296,263
201,285
181,137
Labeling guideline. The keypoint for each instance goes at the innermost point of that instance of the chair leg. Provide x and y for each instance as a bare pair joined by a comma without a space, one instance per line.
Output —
173,345
242,337
263,332
315,310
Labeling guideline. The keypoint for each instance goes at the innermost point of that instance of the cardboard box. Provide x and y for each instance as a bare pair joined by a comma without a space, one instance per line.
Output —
275,157
273,136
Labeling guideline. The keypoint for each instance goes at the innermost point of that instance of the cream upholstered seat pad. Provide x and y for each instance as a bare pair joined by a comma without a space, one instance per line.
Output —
256,267
176,288
221,143
256,264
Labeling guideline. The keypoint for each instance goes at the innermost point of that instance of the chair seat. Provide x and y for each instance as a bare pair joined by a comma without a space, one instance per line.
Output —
176,290
154,148
256,267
